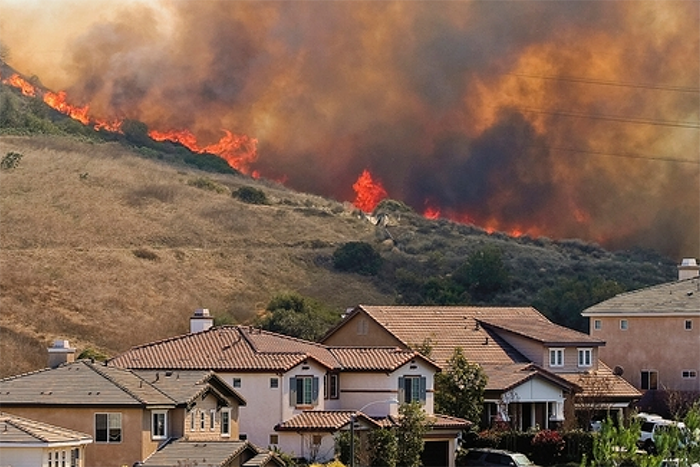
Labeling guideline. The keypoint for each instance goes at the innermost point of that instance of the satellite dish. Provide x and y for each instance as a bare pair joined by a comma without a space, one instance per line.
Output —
618,370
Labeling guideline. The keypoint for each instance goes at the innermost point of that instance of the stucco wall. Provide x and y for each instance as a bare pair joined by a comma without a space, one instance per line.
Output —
23,457
359,331
83,420
652,343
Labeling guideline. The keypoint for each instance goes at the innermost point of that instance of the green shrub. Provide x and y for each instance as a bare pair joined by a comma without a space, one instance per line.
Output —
547,446
251,195
11,160
359,257
205,183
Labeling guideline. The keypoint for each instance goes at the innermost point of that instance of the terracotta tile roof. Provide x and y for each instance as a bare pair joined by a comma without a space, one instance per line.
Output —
507,377
603,383
184,386
437,422
19,430
323,420
264,459
446,328
242,348
672,297
80,383
374,358
530,323
209,453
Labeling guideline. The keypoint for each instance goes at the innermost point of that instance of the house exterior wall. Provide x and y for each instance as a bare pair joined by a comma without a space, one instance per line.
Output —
82,419
192,421
658,343
360,330
24,457
302,445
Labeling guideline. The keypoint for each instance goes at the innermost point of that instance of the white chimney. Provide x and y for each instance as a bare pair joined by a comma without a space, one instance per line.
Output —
60,353
688,268
201,321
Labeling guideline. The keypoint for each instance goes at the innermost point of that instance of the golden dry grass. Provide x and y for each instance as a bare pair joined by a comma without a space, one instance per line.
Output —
109,250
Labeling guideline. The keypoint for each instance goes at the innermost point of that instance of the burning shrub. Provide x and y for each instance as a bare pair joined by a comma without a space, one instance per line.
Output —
251,195
11,160
359,257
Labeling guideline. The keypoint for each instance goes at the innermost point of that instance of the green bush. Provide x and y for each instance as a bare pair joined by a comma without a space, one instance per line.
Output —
251,195
11,160
547,446
205,183
359,257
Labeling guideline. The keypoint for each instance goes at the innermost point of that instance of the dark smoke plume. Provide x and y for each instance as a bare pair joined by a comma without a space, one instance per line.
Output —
562,119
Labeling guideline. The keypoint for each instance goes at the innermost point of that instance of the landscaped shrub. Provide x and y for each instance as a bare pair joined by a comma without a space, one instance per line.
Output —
251,195
547,446
359,257
577,443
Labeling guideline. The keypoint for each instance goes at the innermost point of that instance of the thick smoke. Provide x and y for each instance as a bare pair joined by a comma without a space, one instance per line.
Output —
540,117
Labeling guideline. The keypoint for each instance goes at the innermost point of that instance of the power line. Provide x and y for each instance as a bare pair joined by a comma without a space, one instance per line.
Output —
612,118
630,156
603,82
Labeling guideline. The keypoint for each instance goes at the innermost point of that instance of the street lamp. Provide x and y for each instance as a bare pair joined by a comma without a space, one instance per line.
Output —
353,417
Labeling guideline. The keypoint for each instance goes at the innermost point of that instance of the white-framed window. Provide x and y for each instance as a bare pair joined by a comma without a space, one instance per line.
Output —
193,420
159,424
624,325
274,383
412,388
649,379
75,457
225,422
63,458
212,419
303,391
688,324
236,382
108,427
597,324
202,420
689,374
274,439
556,357
585,357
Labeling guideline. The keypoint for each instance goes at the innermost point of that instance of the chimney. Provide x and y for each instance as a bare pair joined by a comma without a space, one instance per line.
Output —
201,321
60,353
688,268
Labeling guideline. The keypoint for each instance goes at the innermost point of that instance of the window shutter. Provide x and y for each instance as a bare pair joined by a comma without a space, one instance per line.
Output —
292,391
402,390
315,391
423,389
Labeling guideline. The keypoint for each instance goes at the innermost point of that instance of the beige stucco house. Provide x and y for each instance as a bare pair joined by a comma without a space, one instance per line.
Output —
538,372
653,334
129,415
30,443
300,393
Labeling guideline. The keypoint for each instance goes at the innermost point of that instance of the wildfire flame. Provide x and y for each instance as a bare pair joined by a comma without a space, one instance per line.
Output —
368,192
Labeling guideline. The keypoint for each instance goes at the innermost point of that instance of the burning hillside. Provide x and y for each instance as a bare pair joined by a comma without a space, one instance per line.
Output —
562,119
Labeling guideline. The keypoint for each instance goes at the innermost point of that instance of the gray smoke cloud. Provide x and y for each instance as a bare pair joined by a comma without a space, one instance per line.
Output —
497,113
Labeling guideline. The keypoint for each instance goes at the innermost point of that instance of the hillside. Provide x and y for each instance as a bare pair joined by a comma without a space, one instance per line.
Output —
110,247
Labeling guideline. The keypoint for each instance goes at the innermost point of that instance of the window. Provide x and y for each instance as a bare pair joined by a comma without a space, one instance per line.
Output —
412,388
303,391
63,458
75,457
556,357
333,386
193,414
226,422
316,440
688,324
202,420
362,327
243,437
50,459
236,382
585,357
212,419
623,324
274,383
597,325
274,439
689,374
158,424
650,379
108,428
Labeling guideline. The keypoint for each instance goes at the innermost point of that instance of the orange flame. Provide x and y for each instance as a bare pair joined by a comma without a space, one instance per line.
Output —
240,151
21,84
58,101
368,192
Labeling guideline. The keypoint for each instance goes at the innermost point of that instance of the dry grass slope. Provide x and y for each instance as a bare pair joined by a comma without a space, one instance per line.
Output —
110,250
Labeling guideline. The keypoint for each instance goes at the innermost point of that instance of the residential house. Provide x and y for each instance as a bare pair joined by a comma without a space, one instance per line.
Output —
182,453
30,443
300,393
537,371
653,334
129,415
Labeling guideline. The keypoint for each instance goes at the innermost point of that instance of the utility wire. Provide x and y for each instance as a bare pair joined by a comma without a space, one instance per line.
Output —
631,156
612,118
603,82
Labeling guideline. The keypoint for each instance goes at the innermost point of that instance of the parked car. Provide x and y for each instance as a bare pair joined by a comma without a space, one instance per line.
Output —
651,428
496,457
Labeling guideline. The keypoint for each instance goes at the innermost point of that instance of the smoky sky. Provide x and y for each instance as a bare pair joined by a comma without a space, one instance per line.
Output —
554,118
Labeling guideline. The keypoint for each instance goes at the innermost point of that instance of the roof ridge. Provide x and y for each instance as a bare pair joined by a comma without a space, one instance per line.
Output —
108,377
286,337
41,370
